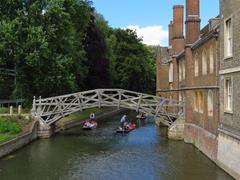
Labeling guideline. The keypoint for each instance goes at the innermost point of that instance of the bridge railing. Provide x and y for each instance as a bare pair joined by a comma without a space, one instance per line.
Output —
54,108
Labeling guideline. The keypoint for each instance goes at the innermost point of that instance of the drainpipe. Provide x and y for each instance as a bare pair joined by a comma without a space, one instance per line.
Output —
217,77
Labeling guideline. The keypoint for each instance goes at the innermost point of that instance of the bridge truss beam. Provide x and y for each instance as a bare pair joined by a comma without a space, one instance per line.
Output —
50,110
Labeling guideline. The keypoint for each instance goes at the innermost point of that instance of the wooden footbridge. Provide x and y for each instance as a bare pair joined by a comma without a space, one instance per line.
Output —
50,110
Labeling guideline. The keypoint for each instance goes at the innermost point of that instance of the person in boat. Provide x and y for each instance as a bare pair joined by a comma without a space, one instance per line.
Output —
91,117
123,121
143,115
131,125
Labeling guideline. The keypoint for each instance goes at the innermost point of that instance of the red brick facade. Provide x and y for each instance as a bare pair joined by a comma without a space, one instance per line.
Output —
195,75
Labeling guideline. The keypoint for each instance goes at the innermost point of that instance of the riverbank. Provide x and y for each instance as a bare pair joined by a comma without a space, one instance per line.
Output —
30,130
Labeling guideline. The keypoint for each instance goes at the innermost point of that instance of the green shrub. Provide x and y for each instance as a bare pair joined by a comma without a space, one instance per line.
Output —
9,125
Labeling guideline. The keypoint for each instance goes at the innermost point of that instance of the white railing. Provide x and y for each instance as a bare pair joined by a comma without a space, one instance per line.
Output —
50,110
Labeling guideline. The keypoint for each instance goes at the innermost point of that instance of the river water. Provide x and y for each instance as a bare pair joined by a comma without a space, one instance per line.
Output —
101,154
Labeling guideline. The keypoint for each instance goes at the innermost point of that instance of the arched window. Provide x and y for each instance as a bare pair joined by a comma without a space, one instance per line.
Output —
196,102
180,96
204,63
183,70
210,103
211,60
200,101
196,65
180,71
171,72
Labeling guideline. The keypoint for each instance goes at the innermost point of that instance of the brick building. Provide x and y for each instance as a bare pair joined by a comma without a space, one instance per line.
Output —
193,75
162,70
229,127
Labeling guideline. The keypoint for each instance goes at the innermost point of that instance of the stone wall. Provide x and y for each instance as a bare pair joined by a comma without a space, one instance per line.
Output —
202,139
228,156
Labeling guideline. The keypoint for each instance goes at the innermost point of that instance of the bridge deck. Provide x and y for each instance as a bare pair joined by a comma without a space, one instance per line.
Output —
50,110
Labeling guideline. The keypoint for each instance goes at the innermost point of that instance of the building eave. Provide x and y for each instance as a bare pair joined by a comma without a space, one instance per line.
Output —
213,33
180,54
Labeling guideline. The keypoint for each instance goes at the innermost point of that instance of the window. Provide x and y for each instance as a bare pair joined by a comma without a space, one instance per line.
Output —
204,63
196,65
200,102
196,108
170,100
180,96
228,94
210,103
180,71
183,70
171,72
228,38
211,63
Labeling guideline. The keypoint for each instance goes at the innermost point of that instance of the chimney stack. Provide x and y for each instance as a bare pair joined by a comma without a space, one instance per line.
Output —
178,42
192,21
178,11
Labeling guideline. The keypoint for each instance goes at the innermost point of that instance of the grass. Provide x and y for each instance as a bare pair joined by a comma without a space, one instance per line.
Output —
6,137
11,126
81,114
5,110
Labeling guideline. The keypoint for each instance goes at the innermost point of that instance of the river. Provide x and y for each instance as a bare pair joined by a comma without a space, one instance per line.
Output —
101,154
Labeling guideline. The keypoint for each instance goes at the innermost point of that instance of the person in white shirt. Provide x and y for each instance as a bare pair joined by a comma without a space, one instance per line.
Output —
122,121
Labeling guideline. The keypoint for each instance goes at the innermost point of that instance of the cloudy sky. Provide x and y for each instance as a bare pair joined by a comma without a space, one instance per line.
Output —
150,18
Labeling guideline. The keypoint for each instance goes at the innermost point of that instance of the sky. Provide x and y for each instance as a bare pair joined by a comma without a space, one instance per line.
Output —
150,18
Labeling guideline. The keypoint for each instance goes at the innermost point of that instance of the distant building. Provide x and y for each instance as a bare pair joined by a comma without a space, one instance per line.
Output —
162,70
229,127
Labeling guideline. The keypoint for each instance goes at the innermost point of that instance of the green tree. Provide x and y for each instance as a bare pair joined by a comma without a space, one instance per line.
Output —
132,65
63,46
96,49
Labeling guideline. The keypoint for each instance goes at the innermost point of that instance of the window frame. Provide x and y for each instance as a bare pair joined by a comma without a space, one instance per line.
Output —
210,99
196,65
196,103
170,72
228,105
201,101
204,62
228,38
211,60
183,71
180,71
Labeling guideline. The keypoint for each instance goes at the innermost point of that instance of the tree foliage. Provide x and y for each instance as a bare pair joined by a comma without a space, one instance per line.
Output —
64,46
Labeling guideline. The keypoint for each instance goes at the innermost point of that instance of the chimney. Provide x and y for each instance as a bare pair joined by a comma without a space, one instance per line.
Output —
170,33
192,21
178,11
178,42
